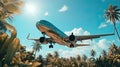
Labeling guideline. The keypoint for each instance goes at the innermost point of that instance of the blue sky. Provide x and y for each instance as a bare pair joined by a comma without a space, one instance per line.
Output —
83,17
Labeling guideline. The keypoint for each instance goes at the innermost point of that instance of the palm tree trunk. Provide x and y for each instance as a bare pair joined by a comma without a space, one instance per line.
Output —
35,54
116,31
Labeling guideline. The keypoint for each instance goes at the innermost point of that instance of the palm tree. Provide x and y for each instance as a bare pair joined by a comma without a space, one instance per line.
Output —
104,54
49,57
11,44
56,55
9,7
84,58
41,60
56,59
92,59
93,53
113,49
78,59
36,47
113,13
118,50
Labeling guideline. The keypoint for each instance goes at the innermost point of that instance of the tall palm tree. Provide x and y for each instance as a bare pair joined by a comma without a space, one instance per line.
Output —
36,47
8,8
113,14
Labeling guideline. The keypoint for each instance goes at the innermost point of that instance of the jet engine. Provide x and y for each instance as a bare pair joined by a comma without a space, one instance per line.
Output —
43,40
72,37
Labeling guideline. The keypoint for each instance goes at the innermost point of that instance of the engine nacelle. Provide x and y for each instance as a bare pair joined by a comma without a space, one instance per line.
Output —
42,40
72,37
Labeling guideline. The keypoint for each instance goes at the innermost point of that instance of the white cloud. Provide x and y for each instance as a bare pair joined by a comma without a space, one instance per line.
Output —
109,22
106,23
46,14
102,43
102,25
98,46
29,48
63,9
78,31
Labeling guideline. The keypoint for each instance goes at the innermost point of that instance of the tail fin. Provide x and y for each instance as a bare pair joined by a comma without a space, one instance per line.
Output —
28,36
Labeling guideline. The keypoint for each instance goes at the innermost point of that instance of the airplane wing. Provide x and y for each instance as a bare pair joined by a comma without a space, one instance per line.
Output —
77,45
85,37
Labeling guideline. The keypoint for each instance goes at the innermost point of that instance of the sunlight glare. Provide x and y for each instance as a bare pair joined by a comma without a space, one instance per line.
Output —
31,8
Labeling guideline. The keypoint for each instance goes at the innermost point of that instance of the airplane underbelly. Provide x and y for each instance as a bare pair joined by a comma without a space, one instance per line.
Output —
53,35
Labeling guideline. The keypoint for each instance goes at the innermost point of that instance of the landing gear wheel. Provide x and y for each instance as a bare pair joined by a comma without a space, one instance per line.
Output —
50,46
71,45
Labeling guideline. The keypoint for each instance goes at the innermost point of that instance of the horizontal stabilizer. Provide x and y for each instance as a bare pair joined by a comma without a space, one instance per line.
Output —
31,38
82,44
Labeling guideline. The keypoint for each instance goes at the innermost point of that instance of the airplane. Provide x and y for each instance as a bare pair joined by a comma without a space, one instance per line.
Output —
57,36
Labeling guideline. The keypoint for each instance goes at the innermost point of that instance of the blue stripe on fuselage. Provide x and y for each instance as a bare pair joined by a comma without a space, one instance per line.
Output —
51,27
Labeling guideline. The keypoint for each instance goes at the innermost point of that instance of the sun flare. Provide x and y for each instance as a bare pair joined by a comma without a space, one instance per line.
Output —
31,8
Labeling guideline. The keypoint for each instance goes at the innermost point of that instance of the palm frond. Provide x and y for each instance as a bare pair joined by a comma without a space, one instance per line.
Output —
117,17
10,7
115,7
117,10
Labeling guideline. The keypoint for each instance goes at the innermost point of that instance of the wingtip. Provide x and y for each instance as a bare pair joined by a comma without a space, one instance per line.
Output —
113,33
28,36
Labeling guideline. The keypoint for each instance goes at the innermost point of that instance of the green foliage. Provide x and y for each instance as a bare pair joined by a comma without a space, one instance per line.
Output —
106,60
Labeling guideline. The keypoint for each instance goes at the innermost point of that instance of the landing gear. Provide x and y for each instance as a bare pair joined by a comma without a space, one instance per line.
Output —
71,45
50,46
43,33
